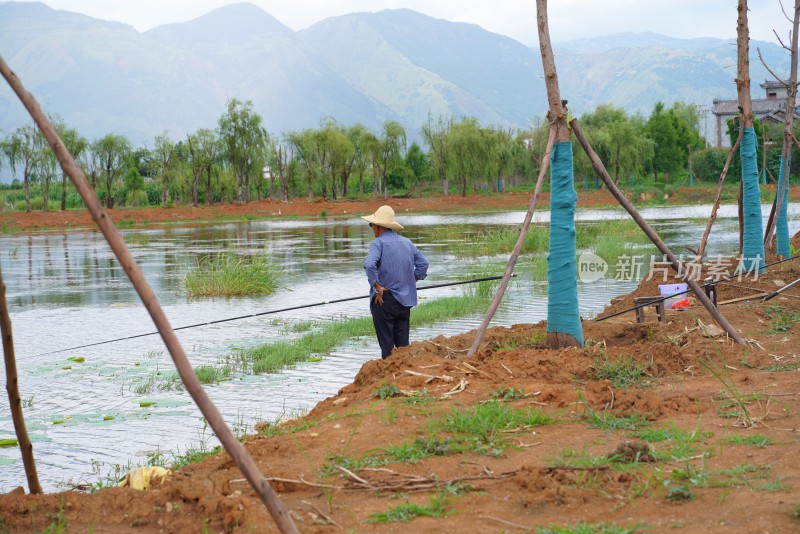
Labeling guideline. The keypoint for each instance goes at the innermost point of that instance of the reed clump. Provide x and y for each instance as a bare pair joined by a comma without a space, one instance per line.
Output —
225,275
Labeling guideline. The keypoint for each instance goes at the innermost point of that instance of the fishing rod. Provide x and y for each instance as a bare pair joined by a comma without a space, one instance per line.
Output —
291,308
661,299
779,291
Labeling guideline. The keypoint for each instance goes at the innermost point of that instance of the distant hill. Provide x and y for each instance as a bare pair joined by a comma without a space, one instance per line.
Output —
106,77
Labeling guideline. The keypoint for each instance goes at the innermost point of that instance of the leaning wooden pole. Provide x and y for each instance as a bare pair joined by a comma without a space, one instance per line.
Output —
12,386
232,446
598,166
512,260
702,248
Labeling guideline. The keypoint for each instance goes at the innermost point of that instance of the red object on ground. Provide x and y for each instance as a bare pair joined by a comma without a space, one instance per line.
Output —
681,304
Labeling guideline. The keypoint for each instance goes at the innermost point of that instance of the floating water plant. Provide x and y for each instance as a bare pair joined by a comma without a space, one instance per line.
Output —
8,442
77,359
58,421
146,404
108,417
224,275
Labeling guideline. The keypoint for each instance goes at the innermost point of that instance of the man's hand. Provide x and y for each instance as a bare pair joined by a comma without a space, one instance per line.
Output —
379,293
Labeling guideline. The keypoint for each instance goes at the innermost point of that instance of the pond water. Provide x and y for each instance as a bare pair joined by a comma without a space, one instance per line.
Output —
67,289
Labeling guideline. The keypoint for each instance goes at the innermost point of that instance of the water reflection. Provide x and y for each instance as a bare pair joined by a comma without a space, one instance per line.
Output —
67,290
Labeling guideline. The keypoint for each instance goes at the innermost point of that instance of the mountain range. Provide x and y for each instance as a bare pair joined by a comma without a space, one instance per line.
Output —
103,77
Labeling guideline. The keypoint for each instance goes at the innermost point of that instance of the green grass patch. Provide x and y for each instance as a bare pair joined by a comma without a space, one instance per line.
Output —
610,422
405,512
224,275
755,440
275,356
674,443
484,424
482,429
590,528
623,373
781,319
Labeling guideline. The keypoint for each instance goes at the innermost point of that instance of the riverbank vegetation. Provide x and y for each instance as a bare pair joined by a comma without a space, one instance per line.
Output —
238,160
322,338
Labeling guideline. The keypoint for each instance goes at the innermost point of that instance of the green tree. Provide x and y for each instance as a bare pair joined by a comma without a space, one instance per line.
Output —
467,146
436,136
245,141
203,148
112,153
76,144
163,159
619,140
417,163
20,149
280,164
45,166
303,143
390,150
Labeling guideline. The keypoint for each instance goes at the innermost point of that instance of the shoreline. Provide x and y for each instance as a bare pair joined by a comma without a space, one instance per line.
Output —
302,208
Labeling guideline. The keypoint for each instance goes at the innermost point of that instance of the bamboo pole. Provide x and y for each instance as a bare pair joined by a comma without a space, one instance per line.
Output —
512,261
232,446
702,249
598,166
12,386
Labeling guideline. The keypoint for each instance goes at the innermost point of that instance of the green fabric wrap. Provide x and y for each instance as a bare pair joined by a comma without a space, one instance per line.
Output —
784,247
753,242
563,315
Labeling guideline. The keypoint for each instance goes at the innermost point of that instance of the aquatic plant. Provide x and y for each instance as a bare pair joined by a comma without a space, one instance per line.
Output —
327,336
224,275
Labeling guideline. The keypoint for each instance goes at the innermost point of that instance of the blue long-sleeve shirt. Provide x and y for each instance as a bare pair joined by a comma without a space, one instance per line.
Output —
396,264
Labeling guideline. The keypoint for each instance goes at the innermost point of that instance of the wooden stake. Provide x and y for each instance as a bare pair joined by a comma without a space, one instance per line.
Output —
701,250
512,260
598,166
232,446
24,442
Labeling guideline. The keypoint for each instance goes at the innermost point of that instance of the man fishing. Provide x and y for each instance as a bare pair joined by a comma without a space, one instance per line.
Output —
393,267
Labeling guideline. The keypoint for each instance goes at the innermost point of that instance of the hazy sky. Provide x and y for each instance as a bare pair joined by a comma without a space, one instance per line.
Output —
569,19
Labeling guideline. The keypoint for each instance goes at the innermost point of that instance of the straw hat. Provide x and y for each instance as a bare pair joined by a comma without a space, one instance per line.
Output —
384,217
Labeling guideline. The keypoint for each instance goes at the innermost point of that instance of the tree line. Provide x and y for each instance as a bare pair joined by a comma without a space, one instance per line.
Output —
240,161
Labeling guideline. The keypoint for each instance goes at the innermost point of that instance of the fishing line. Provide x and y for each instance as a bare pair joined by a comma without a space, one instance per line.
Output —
291,308
661,299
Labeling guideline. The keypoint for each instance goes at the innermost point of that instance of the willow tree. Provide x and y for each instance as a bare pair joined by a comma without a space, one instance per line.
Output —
563,317
435,136
21,150
203,151
111,151
390,150
244,140
467,145
752,230
76,144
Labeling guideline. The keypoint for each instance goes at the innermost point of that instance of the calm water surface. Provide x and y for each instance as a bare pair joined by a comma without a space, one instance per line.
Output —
66,290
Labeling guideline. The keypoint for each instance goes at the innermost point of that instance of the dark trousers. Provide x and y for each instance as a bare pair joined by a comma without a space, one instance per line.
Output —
391,323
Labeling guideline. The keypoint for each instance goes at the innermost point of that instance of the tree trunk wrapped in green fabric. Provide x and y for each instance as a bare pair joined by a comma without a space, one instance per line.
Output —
562,302
784,247
753,245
